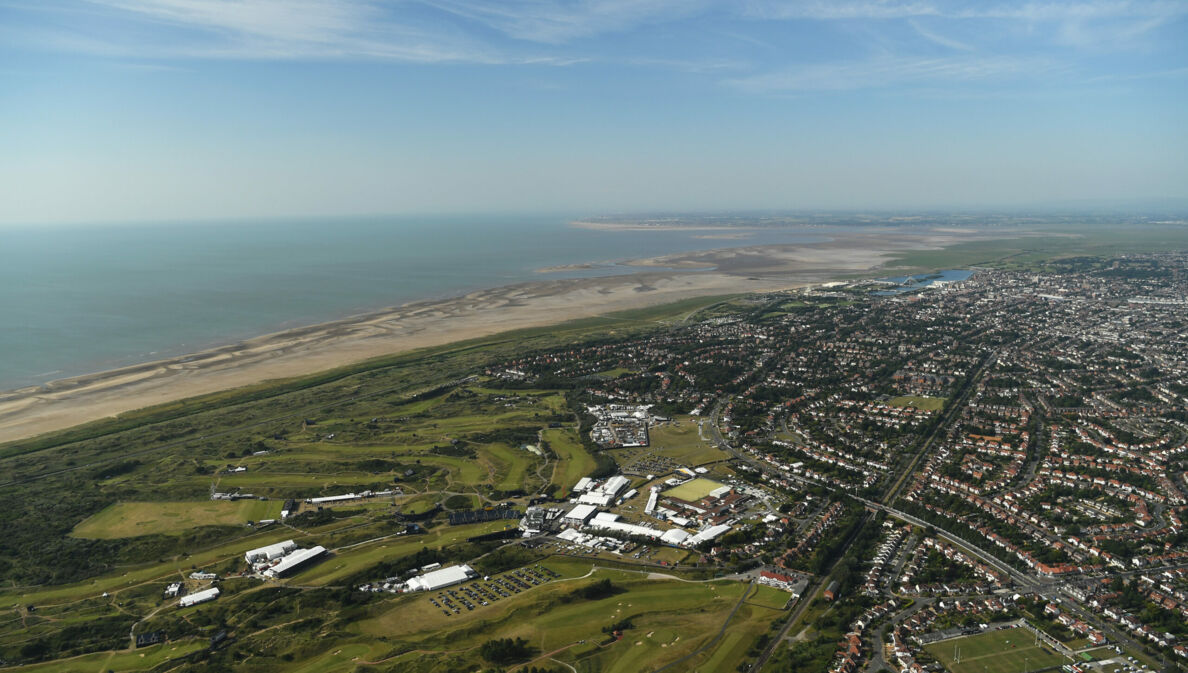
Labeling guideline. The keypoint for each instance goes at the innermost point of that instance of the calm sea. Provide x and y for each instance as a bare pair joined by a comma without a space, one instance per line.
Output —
81,299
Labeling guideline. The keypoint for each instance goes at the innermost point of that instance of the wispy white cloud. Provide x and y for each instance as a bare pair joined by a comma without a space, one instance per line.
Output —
296,29
1094,24
937,38
887,72
833,10
898,37
553,22
1030,10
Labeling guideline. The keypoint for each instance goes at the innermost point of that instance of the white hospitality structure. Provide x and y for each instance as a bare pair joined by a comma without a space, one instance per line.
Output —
270,553
439,579
580,515
674,537
707,534
199,597
597,498
615,484
609,521
292,561
652,498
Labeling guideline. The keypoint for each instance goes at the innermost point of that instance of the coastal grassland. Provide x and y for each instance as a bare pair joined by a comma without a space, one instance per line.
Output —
669,619
573,461
142,659
681,441
918,402
138,489
129,519
97,617
1005,651
352,560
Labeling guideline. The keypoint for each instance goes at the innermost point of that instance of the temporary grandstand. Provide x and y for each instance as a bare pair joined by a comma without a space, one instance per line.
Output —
481,515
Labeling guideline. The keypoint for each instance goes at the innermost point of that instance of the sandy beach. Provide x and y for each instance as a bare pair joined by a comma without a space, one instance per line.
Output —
31,411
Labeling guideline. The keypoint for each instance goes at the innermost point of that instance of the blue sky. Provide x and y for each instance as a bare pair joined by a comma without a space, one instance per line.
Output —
190,109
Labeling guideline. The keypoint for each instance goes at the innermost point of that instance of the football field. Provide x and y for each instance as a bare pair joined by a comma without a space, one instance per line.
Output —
1005,651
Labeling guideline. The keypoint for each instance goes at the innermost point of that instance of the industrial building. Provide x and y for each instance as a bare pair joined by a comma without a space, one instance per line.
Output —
199,597
439,579
270,553
295,560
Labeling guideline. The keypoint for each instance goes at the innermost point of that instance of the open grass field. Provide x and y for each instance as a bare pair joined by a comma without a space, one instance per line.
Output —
670,618
693,490
681,442
137,660
573,461
511,467
130,519
1005,651
349,561
918,402
769,597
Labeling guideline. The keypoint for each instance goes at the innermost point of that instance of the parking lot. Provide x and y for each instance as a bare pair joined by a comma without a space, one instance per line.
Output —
489,590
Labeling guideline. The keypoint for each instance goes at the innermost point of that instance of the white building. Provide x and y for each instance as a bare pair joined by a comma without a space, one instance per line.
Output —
199,597
271,552
608,521
580,515
596,498
439,579
707,534
675,536
615,484
292,561
652,498
333,498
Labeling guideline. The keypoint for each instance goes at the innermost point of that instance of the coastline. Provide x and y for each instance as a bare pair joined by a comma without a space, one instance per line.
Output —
64,403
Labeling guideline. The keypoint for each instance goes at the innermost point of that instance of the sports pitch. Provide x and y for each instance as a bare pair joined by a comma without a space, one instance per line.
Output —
918,402
692,491
1006,651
